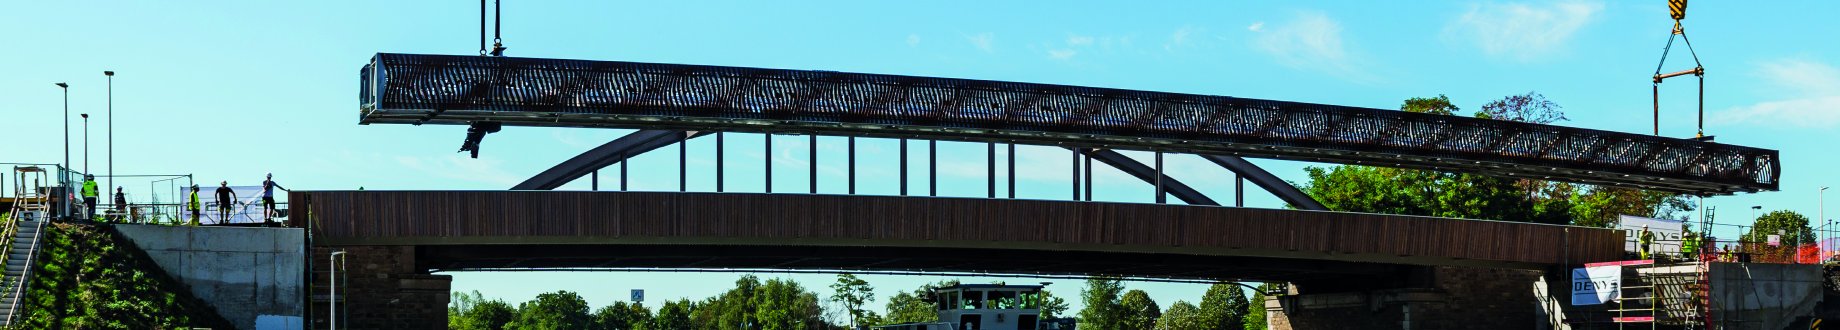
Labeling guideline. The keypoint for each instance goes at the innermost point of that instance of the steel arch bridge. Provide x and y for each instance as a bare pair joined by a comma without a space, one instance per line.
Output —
491,91
671,104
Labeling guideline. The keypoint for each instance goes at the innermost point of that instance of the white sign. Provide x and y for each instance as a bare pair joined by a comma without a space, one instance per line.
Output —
638,295
246,208
1667,233
1775,240
1596,285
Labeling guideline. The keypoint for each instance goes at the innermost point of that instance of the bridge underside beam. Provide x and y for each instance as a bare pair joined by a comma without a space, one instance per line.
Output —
436,89
889,259
426,218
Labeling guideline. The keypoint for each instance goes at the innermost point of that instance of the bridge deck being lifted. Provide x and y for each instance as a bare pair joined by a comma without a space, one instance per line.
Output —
444,89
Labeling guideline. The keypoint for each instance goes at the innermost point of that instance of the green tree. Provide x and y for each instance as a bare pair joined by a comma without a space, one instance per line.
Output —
1599,206
732,310
674,315
1527,108
1140,312
1223,306
1052,306
472,311
1439,105
785,305
1255,310
1184,316
871,318
915,306
1793,226
1102,311
622,316
853,293
554,310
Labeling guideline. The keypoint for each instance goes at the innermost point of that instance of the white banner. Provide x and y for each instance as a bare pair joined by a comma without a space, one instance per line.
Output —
1667,233
247,208
1596,285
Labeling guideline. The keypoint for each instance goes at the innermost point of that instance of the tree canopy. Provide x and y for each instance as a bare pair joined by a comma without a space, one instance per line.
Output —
554,310
1102,311
1793,226
1222,307
472,311
1139,311
853,293
1184,316
622,316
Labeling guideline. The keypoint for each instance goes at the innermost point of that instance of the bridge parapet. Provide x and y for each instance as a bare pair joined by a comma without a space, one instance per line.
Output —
990,226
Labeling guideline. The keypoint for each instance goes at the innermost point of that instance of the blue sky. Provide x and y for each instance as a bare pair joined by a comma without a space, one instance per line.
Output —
229,90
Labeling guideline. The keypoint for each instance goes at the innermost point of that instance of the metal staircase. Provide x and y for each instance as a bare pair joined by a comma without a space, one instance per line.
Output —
19,237
21,248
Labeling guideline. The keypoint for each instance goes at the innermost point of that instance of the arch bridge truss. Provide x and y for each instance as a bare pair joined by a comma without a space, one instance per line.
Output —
672,102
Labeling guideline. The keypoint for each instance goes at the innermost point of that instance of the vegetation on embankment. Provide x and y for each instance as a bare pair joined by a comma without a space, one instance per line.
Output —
91,277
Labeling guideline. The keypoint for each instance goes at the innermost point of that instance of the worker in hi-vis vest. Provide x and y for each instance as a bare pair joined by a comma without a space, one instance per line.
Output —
1644,241
193,205
89,196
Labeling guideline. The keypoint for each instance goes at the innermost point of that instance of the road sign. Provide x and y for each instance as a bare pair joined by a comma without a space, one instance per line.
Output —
638,295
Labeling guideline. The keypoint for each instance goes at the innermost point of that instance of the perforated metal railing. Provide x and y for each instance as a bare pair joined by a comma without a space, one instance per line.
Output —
443,89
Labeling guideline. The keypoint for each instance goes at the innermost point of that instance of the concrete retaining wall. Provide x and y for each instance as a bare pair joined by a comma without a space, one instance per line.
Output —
247,274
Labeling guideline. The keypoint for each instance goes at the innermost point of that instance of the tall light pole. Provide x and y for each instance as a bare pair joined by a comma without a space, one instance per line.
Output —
85,141
111,75
64,176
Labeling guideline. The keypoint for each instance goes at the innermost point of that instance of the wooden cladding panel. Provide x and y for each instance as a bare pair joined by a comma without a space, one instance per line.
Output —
470,217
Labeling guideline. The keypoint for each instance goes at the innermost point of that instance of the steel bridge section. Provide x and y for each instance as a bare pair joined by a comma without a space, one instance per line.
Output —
444,89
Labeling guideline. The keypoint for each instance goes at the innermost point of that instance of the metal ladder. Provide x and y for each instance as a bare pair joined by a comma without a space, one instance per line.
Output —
19,234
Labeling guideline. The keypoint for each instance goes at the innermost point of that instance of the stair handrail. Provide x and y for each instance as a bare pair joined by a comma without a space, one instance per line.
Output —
12,311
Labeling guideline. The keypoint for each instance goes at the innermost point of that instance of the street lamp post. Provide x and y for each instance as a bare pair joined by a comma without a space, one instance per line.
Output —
111,75
64,176
85,141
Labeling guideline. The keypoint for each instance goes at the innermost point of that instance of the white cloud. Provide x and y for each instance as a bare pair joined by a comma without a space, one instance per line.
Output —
1079,40
1181,37
983,41
1522,31
913,40
1256,26
1312,41
1811,98
1062,54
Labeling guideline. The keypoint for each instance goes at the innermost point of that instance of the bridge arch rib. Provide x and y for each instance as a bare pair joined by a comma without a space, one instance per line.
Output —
643,141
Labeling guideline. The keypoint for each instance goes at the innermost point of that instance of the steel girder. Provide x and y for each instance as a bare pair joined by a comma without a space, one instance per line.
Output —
442,89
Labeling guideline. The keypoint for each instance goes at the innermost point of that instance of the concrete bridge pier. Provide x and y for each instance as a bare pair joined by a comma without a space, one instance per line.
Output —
379,287
1434,297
